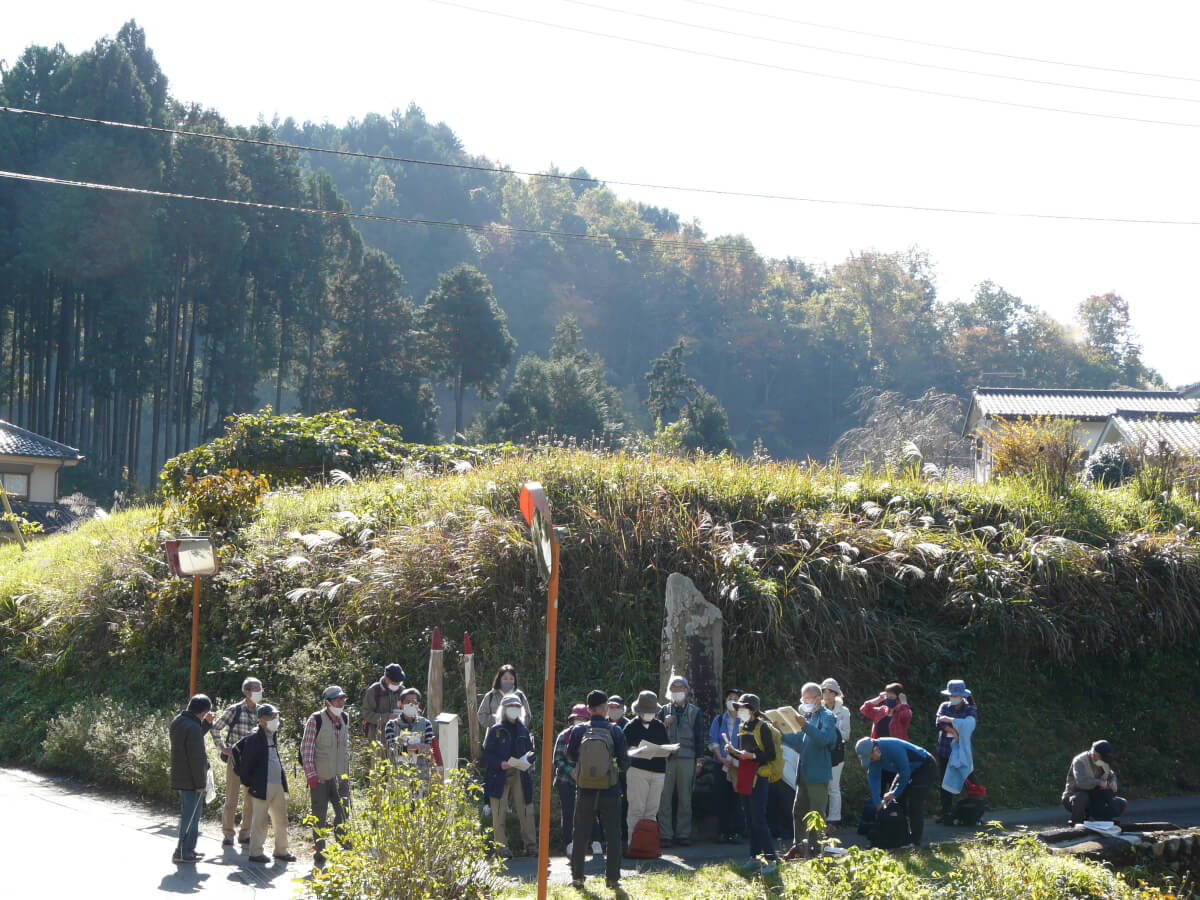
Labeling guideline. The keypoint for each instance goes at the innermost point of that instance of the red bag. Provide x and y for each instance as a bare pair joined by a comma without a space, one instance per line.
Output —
976,791
747,769
643,842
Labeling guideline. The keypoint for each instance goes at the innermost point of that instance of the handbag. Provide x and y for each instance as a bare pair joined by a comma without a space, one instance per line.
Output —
210,788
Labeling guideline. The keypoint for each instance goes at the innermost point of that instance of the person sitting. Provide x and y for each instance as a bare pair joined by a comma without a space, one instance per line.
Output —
1091,791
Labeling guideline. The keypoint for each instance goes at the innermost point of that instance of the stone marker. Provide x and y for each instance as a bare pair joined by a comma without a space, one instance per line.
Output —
692,635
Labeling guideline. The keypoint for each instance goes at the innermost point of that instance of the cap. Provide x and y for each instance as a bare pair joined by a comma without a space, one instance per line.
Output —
830,684
510,700
615,700
647,702
750,701
1103,749
734,690
394,673
863,748
678,679
266,710
333,692
580,711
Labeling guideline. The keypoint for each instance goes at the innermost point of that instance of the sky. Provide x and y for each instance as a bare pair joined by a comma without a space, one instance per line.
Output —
739,99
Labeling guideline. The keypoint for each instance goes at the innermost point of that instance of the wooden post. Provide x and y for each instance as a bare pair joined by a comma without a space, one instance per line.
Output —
472,699
13,520
547,747
195,631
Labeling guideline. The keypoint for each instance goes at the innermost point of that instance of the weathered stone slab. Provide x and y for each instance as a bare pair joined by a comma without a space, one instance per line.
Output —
692,643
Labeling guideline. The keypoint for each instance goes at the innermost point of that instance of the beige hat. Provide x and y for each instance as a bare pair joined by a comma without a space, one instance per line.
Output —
829,684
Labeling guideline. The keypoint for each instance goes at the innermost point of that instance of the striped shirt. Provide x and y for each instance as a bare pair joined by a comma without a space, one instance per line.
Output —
232,725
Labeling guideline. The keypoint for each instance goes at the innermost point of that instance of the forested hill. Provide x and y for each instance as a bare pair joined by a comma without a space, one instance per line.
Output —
130,326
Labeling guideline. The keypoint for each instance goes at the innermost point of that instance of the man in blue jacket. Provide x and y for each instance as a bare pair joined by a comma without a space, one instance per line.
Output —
598,751
816,738
503,783
915,769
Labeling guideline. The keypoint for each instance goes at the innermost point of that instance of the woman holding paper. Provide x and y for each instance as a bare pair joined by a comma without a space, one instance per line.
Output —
508,753
757,754
645,736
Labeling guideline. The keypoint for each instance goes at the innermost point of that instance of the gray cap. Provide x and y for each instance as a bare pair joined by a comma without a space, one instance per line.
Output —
266,710
749,701
863,748
333,692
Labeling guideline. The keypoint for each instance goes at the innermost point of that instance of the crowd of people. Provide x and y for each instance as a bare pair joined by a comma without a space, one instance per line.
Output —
625,782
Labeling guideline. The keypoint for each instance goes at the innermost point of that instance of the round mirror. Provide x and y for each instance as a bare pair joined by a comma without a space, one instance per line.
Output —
539,529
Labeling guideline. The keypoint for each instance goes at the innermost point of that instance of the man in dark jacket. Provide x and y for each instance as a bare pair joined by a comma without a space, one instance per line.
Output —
381,704
189,772
261,770
590,800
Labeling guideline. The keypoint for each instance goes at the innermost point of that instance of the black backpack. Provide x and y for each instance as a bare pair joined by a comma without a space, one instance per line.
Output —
838,754
891,830
969,812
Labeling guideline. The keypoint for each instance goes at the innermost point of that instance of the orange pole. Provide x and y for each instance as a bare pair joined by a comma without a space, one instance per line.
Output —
195,630
547,750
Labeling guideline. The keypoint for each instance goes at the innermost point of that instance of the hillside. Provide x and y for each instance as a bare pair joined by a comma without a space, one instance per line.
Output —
1071,617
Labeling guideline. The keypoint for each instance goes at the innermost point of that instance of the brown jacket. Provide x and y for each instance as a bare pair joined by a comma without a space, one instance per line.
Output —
377,707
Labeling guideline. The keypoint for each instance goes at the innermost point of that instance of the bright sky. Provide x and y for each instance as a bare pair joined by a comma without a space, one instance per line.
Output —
530,96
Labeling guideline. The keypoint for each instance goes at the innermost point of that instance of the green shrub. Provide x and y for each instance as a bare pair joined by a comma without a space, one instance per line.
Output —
223,500
411,841
1043,450
1110,466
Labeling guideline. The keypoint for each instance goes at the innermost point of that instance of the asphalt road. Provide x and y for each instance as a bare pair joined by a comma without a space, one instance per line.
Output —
64,840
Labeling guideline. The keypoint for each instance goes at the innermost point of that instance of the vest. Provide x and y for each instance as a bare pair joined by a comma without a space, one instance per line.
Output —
683,731
331,750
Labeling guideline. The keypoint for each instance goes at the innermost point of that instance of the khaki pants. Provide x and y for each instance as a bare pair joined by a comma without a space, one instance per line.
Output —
681,776
233,787
808,798
276,807
645,793
514,795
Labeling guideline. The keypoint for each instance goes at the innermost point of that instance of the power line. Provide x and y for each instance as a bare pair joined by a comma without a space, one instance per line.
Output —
791,198
815,74
887,59
656,243
920,43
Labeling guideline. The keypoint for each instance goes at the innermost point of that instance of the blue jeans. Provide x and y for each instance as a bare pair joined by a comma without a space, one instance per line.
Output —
192,803
761,841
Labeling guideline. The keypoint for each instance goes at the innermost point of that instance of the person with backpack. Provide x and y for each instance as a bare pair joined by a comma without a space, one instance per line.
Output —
597,750
646,775
1091,790
724,730
409,738
325,758
816,738
959,705
231,726
564,782
685,726
503,684
381,704
831,695
889,712
760,762
260,768
189,773
915,770
506,784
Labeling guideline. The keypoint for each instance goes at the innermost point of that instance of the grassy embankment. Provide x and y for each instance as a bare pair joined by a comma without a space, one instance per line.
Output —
1071,617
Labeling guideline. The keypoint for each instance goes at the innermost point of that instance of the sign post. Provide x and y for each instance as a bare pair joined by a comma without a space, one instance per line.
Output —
192,556
536,510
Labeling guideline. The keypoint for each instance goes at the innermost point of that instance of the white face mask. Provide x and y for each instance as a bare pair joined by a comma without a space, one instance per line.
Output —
272,725
807,708
512,712
393,687
256,696
647,717
729,705
743,715
615,712
679,696
410,710
957,701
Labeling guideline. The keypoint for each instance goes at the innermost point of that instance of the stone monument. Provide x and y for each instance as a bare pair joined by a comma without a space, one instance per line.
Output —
692,643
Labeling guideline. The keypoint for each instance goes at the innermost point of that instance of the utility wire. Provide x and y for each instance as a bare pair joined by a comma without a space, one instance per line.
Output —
887,59
791,198
655,243
920,43
815,74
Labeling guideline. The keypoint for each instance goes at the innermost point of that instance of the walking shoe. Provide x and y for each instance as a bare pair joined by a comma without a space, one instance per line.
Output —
613,885
504,853
683,842
262,859
244,838
318,859
286,857
191,858
597,850
577,884
228,842
796,852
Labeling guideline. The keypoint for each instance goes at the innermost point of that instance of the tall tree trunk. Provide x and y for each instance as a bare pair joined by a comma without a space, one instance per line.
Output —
190,373
458,403
156,414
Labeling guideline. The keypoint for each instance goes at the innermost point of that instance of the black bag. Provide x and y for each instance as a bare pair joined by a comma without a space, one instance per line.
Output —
838,754
969,812
869,817
891,830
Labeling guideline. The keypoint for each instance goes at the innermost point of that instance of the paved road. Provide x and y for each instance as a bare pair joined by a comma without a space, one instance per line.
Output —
63,840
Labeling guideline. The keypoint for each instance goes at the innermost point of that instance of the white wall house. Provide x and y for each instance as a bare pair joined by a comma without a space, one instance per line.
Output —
30,466
1093,410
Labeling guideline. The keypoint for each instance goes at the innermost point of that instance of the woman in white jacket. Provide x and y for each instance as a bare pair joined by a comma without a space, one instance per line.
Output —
831,694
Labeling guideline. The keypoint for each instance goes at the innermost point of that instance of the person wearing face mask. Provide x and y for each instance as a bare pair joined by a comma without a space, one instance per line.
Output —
262,771
757,747
382,704
564,781
189,773
815,739
325,757
505,784
409,738
231,726
645,776
722,731
889,712
686,727
831,694
960,705
503,684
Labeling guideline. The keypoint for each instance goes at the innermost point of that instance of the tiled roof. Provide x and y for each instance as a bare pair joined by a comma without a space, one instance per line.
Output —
53,517
16,441
1077,404
1181,431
